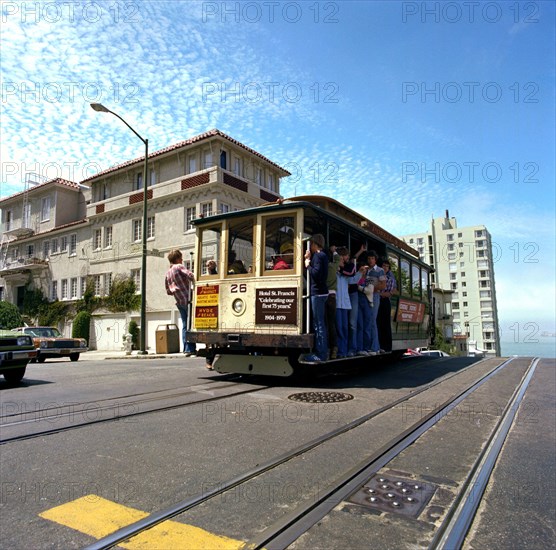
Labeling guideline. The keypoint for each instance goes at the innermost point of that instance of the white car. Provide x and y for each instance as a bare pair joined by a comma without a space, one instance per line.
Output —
435,353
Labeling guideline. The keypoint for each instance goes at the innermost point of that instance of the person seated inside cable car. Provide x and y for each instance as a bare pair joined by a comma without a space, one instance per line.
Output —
234,265
284,260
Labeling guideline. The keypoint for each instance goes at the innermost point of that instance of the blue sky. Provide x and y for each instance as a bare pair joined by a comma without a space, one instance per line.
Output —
398,109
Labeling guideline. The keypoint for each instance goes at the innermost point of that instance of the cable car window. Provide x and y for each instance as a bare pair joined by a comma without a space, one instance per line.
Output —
279,250
405,278
240,246
424,284
416,281
395,267
210,249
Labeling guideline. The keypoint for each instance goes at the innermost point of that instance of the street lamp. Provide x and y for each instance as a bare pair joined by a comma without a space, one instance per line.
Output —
102,109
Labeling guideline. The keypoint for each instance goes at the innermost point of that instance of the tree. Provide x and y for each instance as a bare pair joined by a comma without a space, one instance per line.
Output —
9,316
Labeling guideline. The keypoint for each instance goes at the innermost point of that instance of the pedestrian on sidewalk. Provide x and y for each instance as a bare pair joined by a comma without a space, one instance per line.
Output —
179,281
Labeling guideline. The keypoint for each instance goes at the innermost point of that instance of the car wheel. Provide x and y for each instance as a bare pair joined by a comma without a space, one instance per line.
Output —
15,375
74,356
41,358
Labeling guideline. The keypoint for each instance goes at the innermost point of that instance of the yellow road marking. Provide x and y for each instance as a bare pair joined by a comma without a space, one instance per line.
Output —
98,517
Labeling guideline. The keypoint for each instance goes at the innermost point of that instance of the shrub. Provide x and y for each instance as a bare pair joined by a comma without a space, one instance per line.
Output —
81,325
9,315
133,329
122,296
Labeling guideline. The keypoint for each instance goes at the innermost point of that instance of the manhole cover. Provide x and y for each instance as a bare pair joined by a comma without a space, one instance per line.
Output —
321,397
394,494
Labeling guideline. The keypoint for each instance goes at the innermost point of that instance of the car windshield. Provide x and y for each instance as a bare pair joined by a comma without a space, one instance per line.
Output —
43,332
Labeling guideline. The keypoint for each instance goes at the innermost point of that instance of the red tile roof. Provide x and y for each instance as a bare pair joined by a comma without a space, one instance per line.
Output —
190,141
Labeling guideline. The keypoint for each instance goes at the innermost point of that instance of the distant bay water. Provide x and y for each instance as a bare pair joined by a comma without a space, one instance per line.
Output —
544,347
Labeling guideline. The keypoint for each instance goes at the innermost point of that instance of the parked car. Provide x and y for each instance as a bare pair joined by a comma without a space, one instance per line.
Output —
50,343
16,350
434,353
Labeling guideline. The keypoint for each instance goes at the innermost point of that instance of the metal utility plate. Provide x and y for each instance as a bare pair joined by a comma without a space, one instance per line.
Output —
394,494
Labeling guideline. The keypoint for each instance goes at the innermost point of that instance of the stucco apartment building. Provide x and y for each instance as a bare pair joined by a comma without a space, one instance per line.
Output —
58,233
463,261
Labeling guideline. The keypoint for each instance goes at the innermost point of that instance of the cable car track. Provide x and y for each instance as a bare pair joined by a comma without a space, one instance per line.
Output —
72,413
273,532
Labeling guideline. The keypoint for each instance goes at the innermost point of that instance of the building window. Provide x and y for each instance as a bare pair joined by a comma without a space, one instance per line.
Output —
223,159
453,276
108,237
464,304
451,247
150,228
54,291
464,294
64,289
190,214
27,216
54,246
1,293
450,237
452,266
83,285
479,233
30,250
45,209
96,284
206,209
73,244
46,249
207,159
136,276
455,305
107,283
97,239
258,176
152,177
484,293
136,231
486,304
138,183
104,192
224,208
237,166
270,180
73,288
192,165
8,220
64,244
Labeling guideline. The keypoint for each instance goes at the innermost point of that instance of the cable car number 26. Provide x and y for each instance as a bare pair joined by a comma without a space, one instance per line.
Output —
238,288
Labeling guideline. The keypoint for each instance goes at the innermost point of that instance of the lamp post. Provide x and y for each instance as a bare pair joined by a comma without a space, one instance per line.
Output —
101,108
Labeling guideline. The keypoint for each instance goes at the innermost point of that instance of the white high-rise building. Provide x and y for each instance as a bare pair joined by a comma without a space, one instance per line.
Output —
463,262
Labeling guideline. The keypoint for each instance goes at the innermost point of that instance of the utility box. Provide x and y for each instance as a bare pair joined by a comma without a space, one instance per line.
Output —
167,339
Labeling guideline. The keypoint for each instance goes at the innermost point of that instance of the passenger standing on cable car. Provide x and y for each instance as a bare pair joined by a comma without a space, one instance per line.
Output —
384,322
178,282
375,276
316,262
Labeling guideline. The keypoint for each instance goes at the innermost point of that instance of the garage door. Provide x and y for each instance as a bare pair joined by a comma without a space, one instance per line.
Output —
107,332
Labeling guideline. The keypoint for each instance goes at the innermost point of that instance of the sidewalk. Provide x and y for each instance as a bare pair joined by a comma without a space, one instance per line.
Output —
100,355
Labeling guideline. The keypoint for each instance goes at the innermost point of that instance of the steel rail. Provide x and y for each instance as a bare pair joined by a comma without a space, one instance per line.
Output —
455,526
295,523
230,378
130,415
100,406
178,508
